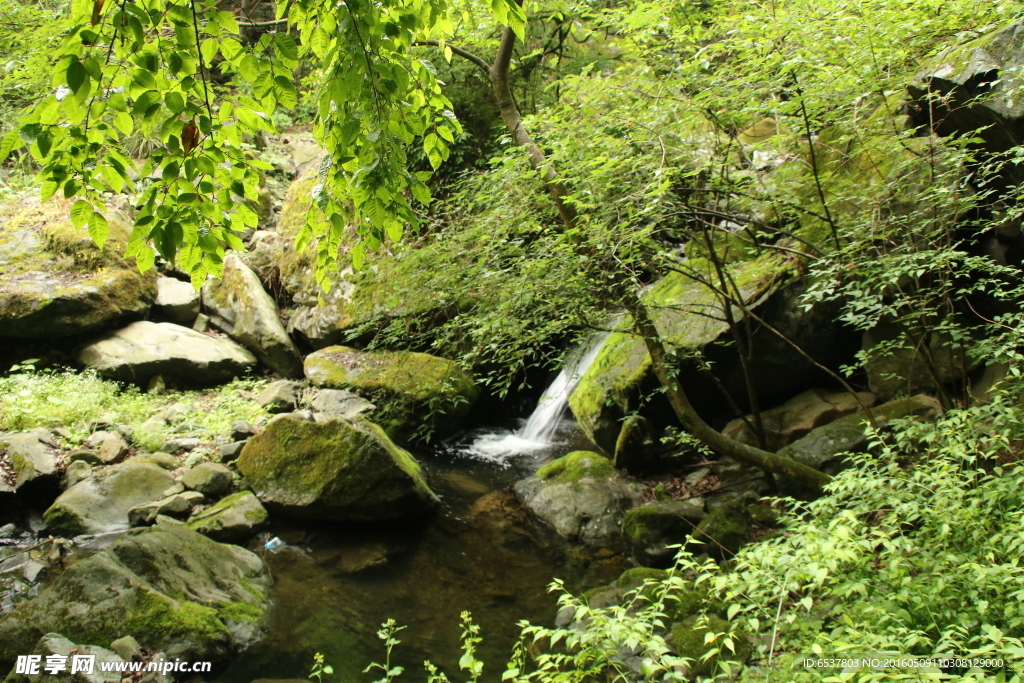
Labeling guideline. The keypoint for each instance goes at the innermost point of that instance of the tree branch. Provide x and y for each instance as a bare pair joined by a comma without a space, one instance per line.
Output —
465,54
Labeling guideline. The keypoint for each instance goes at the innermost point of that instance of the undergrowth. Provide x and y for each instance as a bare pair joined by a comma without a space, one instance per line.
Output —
73,400
914,551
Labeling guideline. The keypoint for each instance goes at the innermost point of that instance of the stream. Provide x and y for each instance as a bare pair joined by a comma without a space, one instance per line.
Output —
335,584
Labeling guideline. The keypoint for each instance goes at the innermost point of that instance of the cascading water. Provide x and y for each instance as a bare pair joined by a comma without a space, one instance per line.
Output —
541,429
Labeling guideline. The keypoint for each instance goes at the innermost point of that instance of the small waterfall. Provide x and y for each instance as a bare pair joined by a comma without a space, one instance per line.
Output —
540,430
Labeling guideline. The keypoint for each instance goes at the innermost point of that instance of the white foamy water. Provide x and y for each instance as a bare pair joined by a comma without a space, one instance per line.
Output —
541,430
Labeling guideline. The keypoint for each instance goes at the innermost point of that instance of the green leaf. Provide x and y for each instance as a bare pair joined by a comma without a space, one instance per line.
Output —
284,89
175,102
208,49
320,42
285,46
99,230
81,212
249,68
71,188
124,122
7,144
227,21
76,76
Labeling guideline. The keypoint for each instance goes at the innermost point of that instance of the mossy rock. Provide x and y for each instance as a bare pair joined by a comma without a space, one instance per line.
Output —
233,519
101,502
55,282
576,465
725,529
417,395
682,309
689,642
650,528
172,589
337,470
391,285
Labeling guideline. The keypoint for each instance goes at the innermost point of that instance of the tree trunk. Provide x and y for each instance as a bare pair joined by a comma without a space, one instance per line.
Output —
810,478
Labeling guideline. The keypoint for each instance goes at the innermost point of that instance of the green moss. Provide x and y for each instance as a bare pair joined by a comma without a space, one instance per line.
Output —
252,590
239,612
157,619
415,393
61,520
342,469
576,465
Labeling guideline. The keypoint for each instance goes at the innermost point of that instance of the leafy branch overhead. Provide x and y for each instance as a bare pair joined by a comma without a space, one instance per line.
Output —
145,67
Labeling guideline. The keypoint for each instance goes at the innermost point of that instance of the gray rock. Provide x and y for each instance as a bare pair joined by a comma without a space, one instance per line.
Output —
209,478
903,370
185,445
75,472
193,497
87,456
101,502
338,470
229,452
176,506
238,305
31,455
173,589
981,80
583,501
176,300
234,519
281,396
339,403
95,440
164,460
174,490
113,448
33,570
823,447
127,648
798,416
56,644
241,430
137,352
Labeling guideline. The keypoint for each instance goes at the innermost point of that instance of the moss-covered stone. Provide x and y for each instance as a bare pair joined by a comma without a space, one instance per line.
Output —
337,470
170,588
689,639
651,528
56,282
725,529
683,310
575,466
232,519
416,394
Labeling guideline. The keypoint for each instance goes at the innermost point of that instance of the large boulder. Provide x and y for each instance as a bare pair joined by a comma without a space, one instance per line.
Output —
140,351
57,282
238,305
581,496
980,83
688,316
394,283
823,448
101,502
171,588
32,455
415,394
338,470
898,365
798,416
